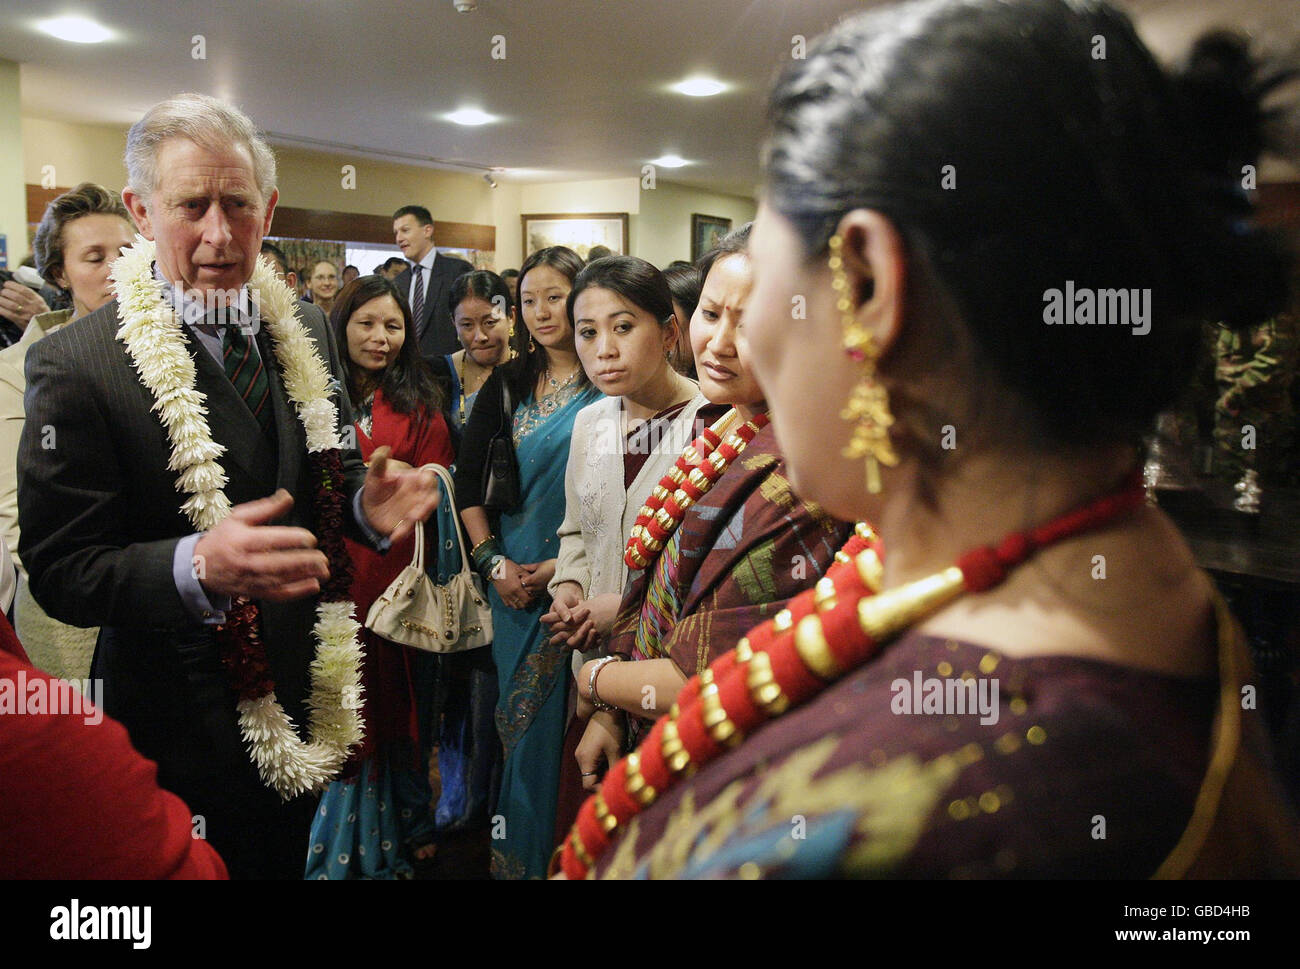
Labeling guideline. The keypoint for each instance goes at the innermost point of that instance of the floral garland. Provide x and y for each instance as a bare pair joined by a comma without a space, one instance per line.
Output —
687,481
156,344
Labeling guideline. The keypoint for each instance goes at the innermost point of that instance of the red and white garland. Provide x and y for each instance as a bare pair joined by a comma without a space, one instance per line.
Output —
156,343
687,481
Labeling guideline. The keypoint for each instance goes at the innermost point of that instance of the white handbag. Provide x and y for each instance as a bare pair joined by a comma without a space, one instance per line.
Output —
415,611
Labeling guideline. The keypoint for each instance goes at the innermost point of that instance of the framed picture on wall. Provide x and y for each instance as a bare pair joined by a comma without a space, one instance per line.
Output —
706,232
581,233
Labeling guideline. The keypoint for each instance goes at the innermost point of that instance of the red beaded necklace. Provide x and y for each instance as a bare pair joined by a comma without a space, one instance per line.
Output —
687,481
826,632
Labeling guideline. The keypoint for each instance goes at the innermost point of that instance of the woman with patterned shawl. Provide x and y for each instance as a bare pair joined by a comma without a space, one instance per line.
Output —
739,553
1041,683
546,387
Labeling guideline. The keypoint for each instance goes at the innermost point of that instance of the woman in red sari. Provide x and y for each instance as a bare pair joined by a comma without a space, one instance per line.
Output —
375,819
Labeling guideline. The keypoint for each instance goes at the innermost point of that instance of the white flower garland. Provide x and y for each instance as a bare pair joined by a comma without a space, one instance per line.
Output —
156,343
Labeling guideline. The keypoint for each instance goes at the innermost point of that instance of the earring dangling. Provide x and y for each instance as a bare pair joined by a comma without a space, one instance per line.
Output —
532,347
510,342
868,405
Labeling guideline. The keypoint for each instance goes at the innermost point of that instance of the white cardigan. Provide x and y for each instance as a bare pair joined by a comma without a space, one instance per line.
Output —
599,512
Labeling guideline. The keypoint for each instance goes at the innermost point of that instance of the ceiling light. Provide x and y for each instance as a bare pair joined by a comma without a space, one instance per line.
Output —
700,87
669,161
79,30
470,116
487,177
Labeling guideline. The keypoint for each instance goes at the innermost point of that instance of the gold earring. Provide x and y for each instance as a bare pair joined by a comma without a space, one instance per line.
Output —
868,405
532,347
510,342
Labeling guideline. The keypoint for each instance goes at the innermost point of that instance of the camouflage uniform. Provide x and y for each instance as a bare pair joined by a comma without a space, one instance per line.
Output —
1254,371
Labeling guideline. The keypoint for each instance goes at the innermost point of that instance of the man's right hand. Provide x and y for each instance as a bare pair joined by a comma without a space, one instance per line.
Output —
245,556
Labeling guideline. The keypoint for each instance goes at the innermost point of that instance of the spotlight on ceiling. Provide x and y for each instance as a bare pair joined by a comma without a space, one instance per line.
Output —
470,117
700,87
465,6
669,161
487,177
79,30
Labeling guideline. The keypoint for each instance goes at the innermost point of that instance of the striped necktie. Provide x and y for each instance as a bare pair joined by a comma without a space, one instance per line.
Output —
417,302
245,370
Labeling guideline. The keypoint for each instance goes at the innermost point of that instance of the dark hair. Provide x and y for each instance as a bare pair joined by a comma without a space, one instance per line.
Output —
275,252
1013,159
734,243
521,373
350,266
598,252
482,283
86,199
394,259
508,273
684,283
637,281
408,383
422,215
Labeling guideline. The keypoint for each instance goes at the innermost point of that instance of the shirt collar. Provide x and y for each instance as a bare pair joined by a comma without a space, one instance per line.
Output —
427,261
193,309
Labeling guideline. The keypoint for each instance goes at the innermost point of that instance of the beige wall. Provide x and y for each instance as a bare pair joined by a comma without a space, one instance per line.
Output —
659,224
13,193
663,229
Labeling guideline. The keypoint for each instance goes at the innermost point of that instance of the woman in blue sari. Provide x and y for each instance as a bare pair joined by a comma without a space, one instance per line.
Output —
540,393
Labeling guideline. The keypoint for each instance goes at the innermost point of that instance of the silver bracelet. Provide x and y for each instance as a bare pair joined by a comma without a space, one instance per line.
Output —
594,697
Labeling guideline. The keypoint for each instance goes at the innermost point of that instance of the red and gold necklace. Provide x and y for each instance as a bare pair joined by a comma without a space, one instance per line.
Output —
687,481
825,633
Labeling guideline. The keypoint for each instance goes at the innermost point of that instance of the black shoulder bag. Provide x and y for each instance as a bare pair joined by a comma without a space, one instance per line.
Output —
501,488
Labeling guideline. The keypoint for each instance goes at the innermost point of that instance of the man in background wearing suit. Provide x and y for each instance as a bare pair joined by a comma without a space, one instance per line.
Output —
104,535
427,282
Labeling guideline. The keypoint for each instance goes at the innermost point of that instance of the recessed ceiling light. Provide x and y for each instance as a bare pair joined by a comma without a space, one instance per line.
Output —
700,87
669,161
79,30
471,116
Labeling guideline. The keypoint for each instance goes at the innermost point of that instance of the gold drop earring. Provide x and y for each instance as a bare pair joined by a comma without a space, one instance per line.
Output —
510,341
868,405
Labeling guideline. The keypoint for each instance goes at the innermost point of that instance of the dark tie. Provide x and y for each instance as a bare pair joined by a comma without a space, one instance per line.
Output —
244,368
417,303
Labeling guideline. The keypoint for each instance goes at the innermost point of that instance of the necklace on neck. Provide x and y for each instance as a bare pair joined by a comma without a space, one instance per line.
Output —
557,385
825,633
687,481
464,390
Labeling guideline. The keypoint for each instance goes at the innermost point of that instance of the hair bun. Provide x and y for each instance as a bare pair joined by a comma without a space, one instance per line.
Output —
1242,268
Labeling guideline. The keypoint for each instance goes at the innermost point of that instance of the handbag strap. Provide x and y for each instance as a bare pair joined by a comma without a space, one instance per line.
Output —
449,489
506,414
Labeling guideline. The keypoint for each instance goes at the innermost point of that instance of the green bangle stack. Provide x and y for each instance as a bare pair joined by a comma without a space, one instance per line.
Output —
483,553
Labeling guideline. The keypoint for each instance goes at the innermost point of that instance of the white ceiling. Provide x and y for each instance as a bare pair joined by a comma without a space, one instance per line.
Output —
581,91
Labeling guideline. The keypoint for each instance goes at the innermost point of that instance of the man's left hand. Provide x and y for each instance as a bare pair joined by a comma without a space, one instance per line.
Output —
394,499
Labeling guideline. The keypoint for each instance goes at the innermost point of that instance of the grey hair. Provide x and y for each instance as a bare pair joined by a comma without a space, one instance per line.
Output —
204,120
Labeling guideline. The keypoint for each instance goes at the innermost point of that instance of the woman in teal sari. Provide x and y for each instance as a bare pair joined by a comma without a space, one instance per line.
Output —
540,393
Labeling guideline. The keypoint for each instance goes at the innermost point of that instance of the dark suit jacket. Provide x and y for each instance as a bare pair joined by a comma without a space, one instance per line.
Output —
438,334
101,517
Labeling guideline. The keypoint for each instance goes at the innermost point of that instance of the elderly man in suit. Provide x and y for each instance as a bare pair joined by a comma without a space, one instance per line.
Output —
427,281
104,534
